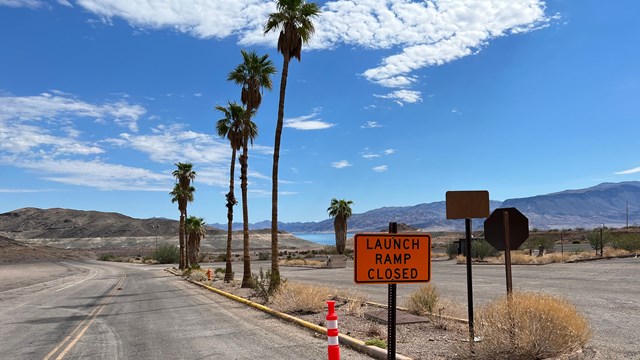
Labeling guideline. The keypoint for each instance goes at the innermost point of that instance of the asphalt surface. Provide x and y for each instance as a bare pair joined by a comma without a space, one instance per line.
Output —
607,292
98,310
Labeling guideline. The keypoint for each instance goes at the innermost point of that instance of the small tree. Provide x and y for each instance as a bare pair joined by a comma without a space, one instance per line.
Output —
597,239
540,242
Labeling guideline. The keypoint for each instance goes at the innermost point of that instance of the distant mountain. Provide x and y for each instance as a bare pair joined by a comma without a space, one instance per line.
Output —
591,207
602,204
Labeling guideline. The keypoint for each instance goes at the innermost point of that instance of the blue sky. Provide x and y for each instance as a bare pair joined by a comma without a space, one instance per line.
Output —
394,102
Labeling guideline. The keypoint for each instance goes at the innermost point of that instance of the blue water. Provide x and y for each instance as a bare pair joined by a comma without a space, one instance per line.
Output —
321,238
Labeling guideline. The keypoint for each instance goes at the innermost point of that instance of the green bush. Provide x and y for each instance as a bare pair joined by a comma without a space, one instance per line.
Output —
423,301
107,257
628,242
167,254
452,250
264,256
377,342
260,283
482,249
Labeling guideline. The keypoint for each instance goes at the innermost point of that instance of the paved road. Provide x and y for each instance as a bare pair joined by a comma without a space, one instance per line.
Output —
606,291
96,310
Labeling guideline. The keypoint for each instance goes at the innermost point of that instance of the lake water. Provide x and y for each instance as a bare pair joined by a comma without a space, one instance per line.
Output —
321,238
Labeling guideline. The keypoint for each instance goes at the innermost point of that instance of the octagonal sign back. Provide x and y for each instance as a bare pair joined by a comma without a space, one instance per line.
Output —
518,228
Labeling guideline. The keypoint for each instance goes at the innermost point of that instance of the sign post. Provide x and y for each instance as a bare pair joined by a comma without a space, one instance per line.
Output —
506,229
391,259
467,205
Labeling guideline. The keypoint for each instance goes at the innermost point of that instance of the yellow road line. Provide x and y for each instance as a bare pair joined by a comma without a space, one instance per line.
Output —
80,330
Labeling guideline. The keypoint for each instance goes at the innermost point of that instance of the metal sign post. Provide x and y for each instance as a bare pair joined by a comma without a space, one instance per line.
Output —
391,313
391,258
506,229
467,205
467,230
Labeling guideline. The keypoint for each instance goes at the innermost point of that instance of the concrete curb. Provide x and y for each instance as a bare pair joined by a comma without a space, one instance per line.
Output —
384,306
358,345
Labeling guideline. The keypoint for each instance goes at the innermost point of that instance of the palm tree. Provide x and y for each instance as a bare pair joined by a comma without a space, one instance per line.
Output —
294,21
182,197
196,232
184,175
253,74
230,127
340,210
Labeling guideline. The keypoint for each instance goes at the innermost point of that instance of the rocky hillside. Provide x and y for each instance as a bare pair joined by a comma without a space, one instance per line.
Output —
92,229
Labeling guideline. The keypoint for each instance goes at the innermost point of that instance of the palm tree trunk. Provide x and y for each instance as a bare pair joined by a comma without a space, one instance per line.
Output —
340,225
275,267
246,277
186,243
181,237
228,273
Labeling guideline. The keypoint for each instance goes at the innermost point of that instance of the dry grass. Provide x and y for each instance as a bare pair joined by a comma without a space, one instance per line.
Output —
523,258
297,298
302,262
423,301
531,326
355,301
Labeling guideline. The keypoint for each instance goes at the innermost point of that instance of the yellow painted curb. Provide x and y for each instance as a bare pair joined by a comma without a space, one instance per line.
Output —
358,345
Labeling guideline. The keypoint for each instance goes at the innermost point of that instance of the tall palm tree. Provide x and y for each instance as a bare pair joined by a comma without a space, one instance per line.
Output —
293,18
184,175
253,74
340,210
230,127
196,232
182,197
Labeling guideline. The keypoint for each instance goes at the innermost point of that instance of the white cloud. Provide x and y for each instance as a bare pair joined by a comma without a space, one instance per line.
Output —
424,33
370,156
627,172
381,168
307,122
57,104
456,111
370,125
197,94
403,96
340,164
32,4
100,175
389,151
65,3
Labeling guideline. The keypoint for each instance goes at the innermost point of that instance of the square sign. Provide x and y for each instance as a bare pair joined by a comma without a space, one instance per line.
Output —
467,204
385,258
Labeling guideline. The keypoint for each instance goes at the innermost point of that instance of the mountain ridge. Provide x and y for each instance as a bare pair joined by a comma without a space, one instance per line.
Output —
589,207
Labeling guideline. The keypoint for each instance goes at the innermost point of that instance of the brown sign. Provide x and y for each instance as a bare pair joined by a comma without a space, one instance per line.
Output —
392,258
467,204
494,228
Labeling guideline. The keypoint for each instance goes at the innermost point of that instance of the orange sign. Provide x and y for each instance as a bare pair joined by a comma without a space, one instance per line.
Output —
392,258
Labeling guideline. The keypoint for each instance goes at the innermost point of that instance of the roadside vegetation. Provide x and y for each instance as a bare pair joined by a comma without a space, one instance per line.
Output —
529,326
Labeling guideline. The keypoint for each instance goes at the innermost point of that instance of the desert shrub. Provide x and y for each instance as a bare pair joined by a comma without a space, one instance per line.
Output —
530,326
423,301
598,239
195,266
220,258
196,275
628,242
264,256
107,257
220,270
377,342
167,254
482,249
298,298
452,250
260,284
